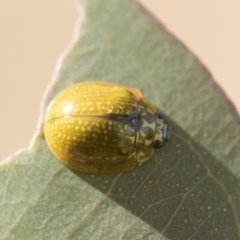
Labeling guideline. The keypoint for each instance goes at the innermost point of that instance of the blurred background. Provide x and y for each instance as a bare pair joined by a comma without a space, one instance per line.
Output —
34,33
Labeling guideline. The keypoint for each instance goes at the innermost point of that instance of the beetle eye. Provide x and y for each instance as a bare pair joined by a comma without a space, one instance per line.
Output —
133,122
160,116
158,144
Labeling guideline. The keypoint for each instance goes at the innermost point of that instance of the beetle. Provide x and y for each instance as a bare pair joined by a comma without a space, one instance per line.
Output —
103,128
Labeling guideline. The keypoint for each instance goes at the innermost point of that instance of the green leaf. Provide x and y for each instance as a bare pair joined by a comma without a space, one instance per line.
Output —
189,189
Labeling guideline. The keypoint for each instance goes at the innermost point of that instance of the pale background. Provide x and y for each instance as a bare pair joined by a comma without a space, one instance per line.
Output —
34,33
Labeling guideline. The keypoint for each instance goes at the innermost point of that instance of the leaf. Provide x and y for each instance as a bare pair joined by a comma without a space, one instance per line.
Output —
189,189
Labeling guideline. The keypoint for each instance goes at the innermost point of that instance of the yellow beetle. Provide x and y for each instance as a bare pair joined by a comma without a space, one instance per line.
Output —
103,128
